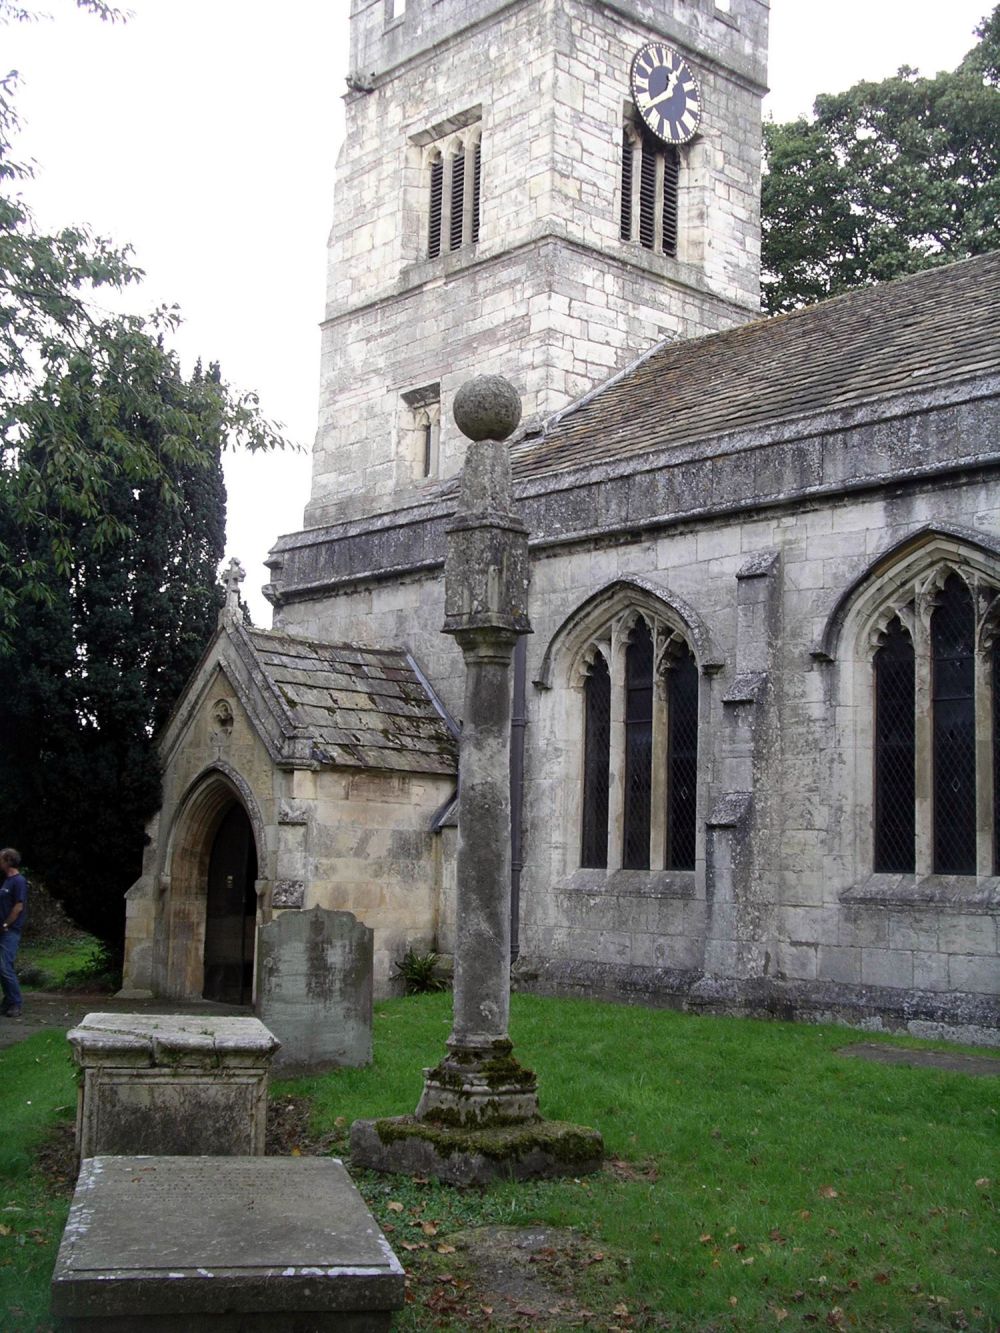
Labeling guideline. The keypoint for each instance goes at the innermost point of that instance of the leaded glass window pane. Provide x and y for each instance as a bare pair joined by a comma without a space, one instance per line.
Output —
596,765
682,761
638,747
895,753
954,729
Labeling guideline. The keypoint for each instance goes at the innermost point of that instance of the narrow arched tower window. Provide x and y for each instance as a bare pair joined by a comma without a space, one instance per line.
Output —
638,747
650,197
954,744
596,765
454,185
895,753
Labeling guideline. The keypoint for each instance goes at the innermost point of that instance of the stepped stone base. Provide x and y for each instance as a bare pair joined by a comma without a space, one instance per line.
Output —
531,1150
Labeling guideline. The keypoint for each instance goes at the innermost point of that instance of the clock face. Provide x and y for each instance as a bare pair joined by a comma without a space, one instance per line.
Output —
666,93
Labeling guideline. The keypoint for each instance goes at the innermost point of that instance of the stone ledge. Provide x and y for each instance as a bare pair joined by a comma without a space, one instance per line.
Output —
532,1150
678,884
950,893
952,1015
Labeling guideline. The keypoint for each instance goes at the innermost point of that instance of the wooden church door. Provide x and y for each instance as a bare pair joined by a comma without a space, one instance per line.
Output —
231,911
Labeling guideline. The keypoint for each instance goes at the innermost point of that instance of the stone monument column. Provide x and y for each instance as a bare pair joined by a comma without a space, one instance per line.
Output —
478,1115
486,594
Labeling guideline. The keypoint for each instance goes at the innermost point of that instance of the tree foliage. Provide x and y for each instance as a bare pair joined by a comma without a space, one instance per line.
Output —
885,179
112,518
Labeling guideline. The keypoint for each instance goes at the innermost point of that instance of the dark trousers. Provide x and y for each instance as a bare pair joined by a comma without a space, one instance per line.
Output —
9,940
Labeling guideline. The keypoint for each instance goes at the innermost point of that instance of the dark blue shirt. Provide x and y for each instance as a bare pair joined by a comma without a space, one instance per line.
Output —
13,890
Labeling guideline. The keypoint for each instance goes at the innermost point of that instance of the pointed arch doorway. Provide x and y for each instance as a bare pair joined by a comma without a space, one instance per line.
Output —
231,910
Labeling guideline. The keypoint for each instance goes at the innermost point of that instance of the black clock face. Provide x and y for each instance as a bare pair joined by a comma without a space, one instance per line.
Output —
666,93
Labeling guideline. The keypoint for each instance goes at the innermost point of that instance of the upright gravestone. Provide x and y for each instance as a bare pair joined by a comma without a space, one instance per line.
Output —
478,1116
314,989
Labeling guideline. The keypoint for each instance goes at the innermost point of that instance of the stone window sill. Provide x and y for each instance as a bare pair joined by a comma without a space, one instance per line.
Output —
631,883
955,893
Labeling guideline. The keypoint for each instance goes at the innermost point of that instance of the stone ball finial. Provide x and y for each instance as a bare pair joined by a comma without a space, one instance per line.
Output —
487,408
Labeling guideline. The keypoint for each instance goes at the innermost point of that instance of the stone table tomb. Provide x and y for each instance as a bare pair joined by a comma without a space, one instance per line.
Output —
171,1085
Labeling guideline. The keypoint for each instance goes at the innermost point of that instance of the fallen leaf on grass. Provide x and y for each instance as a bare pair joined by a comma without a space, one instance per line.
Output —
780,1313
882,1279
983,1183
705,1237
394,1206
428,1228
733,1300
446,1249
828,1192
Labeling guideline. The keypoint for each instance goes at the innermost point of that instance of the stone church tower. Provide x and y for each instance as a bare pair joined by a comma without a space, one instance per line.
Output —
500,207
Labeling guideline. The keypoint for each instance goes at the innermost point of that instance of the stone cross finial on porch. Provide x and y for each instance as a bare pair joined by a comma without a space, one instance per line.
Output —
233,577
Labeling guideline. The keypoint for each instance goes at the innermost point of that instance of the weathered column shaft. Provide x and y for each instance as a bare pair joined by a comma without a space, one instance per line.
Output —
482,953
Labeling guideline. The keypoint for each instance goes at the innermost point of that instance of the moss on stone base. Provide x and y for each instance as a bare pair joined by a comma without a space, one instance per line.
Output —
568,1144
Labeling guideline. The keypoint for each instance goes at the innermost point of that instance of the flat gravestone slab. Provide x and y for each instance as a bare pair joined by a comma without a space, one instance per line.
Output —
219,1243
952,1062
190,1084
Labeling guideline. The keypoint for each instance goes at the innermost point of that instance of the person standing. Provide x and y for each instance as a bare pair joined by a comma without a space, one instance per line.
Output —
13,914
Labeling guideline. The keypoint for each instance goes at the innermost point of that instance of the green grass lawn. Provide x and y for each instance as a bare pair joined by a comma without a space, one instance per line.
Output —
73,960
759,1180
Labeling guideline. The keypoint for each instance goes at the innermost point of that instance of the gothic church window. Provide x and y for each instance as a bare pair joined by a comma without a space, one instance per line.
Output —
454,182
650,181
936,705
640,700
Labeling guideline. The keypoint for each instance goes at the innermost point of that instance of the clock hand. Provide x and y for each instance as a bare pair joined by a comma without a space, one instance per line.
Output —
664,96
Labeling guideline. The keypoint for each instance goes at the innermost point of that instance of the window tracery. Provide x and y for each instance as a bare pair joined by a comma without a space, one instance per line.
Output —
936,739
640,726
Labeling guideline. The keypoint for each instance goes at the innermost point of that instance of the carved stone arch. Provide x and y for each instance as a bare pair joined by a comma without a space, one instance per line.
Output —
199,814
596,648
900,573
588,623
880,626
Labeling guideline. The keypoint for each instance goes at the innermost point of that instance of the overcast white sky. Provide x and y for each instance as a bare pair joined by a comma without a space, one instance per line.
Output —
204,132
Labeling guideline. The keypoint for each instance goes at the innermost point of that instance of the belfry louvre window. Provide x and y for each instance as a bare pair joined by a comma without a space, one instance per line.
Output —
640,700
650,184
454,176
927,786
